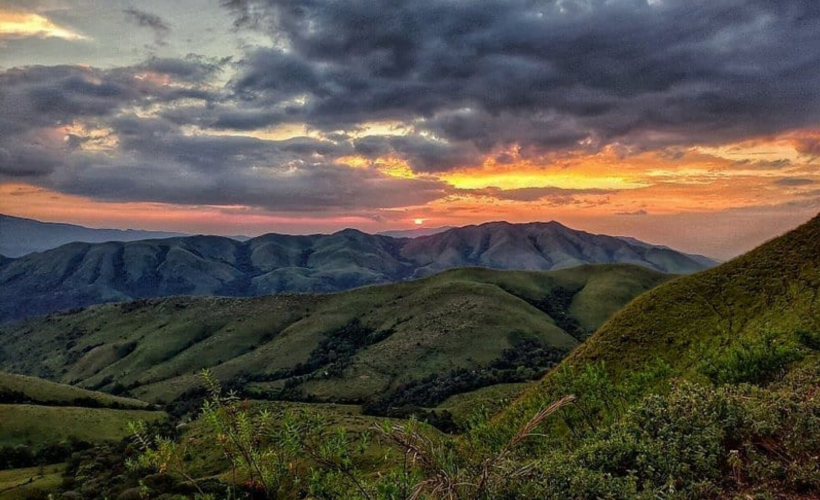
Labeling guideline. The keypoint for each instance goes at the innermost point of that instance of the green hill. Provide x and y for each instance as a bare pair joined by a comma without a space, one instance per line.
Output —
39,413
39,426
705,387
21,389
772,291
408,344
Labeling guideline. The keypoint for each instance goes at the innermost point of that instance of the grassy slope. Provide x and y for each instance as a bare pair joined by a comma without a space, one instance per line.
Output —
771,290
460,318
46,393
45,412
17,483
39,425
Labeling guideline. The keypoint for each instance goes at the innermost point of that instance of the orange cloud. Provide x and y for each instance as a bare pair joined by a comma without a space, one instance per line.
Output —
31,25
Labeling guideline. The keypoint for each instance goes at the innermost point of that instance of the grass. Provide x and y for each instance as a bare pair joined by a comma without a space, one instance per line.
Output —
39,425
37,391
464,318
492,399
18,483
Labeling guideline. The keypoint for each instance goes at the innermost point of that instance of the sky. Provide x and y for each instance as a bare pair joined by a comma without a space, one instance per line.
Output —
689,123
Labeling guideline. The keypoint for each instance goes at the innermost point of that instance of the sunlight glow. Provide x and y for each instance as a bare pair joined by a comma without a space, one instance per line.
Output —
24,25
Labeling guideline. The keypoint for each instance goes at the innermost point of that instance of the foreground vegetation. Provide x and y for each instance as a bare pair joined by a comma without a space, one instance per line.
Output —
689,440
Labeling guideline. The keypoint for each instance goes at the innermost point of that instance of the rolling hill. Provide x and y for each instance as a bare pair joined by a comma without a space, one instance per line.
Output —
19,236
39,412
403,344
82,274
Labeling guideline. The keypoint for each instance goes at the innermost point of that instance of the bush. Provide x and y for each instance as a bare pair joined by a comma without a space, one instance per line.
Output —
697,442
809,339
751,361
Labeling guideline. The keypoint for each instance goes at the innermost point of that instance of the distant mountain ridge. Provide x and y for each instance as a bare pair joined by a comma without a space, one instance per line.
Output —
81,274
19,236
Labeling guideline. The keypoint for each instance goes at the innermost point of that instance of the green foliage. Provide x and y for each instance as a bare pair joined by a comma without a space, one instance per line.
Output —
809,339
297,454
754,360
301,455
529,360
697,442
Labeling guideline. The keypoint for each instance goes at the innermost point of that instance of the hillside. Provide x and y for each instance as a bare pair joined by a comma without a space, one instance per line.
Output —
19,236
711,379
81,274
772,290
404,344
42,413
21,389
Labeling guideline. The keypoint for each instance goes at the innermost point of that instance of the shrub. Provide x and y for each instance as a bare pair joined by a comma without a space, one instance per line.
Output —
752,361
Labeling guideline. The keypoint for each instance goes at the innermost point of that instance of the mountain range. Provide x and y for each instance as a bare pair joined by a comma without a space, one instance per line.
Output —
81,274
19,236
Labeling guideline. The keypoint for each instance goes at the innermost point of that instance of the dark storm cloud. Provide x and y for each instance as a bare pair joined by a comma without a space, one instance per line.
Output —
147,20
422,153
190,69
38,103
548,74
299,188
154,160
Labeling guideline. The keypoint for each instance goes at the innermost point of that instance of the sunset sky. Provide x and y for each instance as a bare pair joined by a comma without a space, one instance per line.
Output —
690,123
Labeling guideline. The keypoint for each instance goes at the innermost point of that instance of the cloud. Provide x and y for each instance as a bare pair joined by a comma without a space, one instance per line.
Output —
523,82
632,214
41,106
550,194
91,132
764,164
809,147
794,182
543,75
147,20
14,24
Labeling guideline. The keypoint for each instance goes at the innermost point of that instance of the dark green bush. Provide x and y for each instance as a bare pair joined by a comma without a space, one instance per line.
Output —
752,361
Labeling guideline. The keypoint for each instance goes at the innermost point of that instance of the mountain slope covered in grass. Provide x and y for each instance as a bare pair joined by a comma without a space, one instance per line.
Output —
407,344
704,387
81,274
772,291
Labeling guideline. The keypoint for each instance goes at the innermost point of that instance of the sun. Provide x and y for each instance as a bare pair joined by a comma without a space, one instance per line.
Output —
418,222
